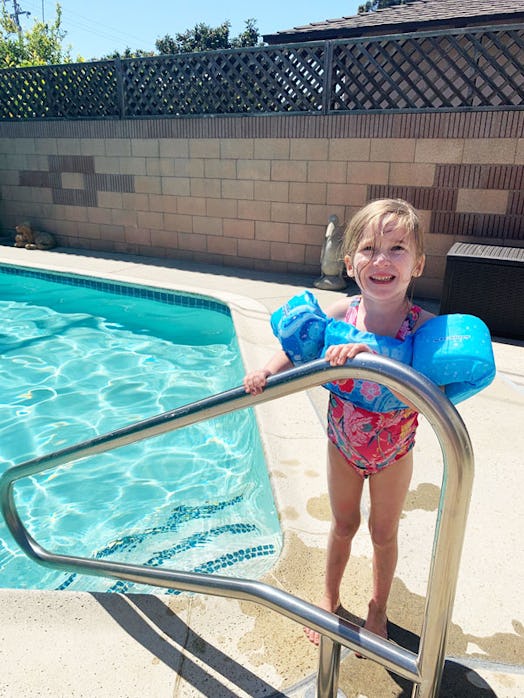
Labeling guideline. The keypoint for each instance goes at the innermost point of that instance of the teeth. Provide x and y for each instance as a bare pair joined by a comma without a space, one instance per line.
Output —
381,278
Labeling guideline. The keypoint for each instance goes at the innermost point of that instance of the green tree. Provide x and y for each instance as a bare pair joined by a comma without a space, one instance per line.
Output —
40,45
249,37
127,53
202,37
380,5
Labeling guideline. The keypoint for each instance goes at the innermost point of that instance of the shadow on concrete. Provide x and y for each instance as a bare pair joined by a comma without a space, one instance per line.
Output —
151,623
285,277
147,619
458,681
370,679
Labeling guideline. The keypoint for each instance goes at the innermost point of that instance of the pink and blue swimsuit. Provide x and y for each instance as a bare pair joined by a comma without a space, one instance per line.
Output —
370,441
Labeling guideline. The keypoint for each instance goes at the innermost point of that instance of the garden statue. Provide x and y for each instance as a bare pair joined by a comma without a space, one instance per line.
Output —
331,261
33,240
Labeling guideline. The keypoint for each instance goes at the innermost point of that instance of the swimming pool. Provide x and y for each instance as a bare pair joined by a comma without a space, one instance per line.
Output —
82,356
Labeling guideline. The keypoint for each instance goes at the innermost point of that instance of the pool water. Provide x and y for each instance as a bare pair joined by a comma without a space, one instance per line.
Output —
81,357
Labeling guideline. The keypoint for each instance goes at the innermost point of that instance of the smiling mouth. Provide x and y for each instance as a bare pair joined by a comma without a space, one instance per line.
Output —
381,279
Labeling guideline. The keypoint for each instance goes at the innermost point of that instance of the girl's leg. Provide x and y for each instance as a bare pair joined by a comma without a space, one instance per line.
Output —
345,491
388,490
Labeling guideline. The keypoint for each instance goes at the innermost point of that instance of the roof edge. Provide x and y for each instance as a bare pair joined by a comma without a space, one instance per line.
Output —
297,35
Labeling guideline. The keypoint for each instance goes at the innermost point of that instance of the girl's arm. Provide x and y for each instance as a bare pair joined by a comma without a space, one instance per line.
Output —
255,381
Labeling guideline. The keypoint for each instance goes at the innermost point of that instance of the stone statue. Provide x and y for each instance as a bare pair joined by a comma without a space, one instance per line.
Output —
331,260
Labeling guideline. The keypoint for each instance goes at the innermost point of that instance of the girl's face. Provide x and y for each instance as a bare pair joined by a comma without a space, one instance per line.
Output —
385,261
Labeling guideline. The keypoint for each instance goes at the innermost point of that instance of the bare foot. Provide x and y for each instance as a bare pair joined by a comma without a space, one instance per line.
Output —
313,635
377,621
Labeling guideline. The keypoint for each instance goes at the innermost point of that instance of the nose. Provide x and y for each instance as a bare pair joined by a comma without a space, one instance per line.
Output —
380,257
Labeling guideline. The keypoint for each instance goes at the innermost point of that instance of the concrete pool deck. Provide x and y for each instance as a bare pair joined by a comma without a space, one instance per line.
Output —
66,644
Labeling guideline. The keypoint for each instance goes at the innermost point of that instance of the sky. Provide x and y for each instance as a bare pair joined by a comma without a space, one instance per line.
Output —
98,27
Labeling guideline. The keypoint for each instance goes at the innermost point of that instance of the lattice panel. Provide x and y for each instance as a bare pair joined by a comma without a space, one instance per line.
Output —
23,93
426,71
429,72
73,90
84,89
226,82
501,68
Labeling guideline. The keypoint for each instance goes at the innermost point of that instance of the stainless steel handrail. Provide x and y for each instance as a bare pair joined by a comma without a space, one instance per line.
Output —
424,669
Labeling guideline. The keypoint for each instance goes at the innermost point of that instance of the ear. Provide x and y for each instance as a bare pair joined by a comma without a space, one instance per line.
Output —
349,266
419,266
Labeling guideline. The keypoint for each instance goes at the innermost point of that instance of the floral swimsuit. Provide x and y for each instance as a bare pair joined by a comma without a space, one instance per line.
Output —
370,441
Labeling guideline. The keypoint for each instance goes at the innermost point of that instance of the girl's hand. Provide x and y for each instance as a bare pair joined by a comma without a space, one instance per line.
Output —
338,354
255,382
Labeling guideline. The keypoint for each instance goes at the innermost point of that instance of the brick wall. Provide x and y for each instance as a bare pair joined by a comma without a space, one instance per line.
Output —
257,192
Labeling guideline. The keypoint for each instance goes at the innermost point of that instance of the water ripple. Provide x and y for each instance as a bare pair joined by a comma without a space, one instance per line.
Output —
68,376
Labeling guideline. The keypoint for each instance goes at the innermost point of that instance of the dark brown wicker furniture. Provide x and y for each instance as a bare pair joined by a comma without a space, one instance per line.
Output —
486,281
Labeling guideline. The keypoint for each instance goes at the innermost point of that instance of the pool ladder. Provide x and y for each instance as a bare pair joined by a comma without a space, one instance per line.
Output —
423,669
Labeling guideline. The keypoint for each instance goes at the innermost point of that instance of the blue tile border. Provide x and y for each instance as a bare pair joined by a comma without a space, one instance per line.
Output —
178,517
120,288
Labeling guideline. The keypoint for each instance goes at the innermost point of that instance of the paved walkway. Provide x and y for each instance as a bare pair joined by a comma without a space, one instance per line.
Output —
66,645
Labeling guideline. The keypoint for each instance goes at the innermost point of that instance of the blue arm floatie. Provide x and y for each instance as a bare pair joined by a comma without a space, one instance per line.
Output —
454,351
300,326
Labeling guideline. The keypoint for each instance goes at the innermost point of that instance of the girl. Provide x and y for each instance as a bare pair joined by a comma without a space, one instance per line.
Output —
383,248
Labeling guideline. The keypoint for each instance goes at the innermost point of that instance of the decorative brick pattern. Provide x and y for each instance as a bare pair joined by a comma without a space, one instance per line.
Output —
74,197
110,182
480,176
492,228
425,198
33,178
71,163
516,203
87,184
481,201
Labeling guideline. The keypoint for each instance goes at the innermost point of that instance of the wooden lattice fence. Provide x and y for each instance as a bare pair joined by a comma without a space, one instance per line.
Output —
446,70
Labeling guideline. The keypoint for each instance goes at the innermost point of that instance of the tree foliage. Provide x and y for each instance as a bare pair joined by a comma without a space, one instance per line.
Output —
249,37
127,53
202,37
380,5
40,45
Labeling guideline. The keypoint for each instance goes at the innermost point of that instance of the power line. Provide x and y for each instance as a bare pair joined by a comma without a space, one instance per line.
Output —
15,15
86,24
72,21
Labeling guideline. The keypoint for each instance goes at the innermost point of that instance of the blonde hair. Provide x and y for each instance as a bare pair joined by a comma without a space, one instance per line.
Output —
376,214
